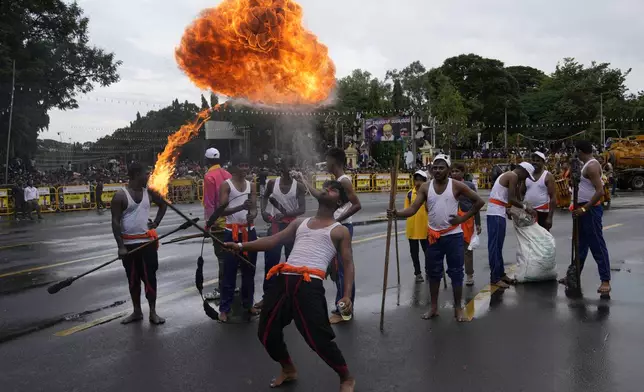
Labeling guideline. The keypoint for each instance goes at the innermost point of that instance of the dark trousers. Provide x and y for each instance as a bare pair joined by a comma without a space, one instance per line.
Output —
448,247
291,298
220,253
142,266
272,257
591,238
496,226
231,263
339,284
541,218
414,246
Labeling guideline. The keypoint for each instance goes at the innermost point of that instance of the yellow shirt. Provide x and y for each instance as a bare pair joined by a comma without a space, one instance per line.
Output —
417,224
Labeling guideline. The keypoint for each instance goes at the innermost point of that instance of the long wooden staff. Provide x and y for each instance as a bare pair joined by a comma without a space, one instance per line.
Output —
392,204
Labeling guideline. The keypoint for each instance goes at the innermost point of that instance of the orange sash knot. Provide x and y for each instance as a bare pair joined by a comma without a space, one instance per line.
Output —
434,235
306,272
237,229
275,227
467,226
544,207
150,234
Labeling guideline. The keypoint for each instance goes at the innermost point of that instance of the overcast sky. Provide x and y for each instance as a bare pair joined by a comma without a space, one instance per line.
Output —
375,35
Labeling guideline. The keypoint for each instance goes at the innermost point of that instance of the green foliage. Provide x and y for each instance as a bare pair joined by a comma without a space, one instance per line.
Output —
49,42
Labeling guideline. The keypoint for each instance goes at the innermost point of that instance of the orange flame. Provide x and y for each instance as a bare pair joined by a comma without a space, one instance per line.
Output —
257,50
167,160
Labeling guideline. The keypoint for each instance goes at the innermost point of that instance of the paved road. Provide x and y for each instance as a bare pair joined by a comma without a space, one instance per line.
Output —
532,338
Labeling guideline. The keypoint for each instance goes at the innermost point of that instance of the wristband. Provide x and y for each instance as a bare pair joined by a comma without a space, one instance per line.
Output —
583,209
239,244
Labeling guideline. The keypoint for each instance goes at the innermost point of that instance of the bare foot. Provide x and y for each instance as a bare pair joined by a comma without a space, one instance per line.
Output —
604,288
259,305
460,316
433,313
348,385
286,376
335,319
134,317
254,311
508,280
223,317
156,319
501,284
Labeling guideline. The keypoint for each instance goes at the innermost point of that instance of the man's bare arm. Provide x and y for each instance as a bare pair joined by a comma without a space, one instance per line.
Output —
464,190
421,196
347,260
267,243
594,174
117,206
552,192
163,206
353,198
513,181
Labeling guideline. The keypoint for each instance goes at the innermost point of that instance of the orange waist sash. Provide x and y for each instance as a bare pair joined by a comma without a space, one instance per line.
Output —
306,272
151,234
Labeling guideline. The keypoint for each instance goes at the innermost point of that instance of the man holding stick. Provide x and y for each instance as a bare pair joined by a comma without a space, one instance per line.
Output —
131,227
298,292
240,214
288,201
445,234
589,212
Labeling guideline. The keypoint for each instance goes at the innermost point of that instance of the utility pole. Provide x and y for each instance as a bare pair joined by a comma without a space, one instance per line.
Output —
505,132
13,89
602,132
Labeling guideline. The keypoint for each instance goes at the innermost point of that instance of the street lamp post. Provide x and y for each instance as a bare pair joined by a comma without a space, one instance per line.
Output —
13,89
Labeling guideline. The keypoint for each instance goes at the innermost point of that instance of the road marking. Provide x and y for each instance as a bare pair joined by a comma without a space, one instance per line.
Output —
372,238
16,245
481,301
42,267
613,226
116,315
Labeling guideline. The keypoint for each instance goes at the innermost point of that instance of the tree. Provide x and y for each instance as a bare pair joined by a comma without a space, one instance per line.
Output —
528,78
204,103
214,100
414,83
54,62
397,98
486,86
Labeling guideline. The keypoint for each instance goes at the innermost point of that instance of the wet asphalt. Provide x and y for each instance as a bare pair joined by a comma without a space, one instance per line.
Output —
530,338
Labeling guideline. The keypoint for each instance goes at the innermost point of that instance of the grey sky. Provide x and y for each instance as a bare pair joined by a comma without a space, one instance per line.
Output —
375,35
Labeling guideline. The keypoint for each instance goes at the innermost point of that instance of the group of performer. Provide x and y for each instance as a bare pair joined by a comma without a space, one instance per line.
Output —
447,206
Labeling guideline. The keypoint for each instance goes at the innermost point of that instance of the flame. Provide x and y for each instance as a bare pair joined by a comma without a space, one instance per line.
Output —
167,160
257,50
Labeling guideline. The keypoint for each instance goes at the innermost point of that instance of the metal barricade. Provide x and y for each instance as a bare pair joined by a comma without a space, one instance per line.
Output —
109,190
6,201
74,197
382,182
364,183
48,199
183,191
200,190
403,182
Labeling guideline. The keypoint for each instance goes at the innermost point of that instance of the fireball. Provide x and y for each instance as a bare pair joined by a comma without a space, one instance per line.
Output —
256,50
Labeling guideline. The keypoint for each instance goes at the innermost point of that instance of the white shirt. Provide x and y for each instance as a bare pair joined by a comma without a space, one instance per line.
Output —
31,193
135,217
409,157
440,208
313,248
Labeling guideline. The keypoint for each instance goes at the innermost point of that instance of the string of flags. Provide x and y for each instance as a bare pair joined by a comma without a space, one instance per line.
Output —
551,140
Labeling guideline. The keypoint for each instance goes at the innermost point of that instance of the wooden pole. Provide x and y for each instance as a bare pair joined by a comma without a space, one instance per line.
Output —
397,257
392,204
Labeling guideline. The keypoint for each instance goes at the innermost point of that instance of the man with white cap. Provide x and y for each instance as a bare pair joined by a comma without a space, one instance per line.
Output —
504,195
215,176
541,193
444,231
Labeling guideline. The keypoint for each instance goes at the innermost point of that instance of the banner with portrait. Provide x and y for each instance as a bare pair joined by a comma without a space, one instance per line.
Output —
387,129
76,197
